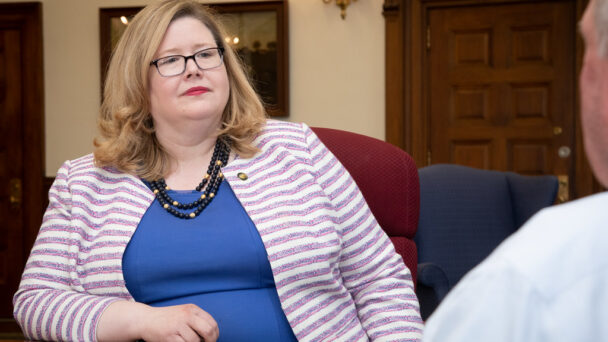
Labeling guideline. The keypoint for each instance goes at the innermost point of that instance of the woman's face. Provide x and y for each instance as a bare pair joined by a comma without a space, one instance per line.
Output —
194,95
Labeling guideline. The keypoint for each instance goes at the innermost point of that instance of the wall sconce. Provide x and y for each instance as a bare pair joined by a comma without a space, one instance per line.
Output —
232,40
342,4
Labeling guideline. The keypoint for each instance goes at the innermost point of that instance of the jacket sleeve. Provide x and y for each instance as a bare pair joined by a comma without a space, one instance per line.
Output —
47,304
374,274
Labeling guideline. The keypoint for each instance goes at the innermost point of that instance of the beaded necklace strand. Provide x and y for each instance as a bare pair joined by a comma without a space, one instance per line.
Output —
212,179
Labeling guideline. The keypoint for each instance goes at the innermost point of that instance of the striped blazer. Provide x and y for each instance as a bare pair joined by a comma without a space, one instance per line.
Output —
336,272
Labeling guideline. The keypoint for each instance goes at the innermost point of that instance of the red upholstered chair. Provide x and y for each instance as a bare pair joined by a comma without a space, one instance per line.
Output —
388,178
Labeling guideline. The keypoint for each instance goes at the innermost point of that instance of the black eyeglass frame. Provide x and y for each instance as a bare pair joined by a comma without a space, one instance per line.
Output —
220,49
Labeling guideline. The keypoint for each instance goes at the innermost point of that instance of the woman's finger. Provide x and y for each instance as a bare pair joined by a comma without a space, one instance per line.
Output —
188,334
206,327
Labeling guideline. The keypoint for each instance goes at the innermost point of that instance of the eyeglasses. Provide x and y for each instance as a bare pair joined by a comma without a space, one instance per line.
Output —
176,64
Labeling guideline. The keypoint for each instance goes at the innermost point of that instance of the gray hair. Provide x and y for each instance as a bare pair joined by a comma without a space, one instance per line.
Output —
601,26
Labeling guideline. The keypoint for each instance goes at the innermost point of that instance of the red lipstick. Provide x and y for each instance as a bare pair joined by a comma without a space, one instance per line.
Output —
196,91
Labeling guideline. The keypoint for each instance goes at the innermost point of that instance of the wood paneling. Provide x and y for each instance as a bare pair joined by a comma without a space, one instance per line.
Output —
22,145
503,91
502,73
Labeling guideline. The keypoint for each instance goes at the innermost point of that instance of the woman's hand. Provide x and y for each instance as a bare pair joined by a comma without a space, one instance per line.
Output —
128,321
180,323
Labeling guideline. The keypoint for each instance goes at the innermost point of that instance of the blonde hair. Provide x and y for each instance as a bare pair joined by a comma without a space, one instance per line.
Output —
126,139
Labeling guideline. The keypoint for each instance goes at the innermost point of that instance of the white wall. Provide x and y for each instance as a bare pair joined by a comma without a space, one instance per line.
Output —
336,69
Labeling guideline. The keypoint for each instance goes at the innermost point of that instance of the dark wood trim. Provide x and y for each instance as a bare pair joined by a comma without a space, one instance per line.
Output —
406,124
404,128
105,42
28,17
10,330
395,97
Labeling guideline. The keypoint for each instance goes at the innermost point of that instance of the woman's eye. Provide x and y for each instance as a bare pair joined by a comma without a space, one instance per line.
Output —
168,60
206,54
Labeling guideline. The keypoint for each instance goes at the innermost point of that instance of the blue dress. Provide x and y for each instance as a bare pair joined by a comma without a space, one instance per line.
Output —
216,261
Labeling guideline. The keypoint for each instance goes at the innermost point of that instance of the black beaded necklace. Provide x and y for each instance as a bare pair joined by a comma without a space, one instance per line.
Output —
213,178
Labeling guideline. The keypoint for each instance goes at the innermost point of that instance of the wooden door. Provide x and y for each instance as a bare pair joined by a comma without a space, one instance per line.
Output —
11,167
500,86
21,162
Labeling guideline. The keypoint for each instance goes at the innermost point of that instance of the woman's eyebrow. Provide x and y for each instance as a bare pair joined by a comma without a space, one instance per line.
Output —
177,51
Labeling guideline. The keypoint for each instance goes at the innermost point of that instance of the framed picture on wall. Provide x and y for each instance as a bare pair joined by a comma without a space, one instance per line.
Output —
257,31
112,23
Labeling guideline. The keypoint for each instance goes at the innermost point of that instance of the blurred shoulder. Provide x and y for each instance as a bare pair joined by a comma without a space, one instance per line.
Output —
561,244
538,285
572,218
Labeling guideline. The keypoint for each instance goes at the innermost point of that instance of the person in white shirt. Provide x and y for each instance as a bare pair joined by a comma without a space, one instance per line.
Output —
549,281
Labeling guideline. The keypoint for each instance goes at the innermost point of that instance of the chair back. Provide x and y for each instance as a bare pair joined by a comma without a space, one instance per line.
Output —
465,213
388,179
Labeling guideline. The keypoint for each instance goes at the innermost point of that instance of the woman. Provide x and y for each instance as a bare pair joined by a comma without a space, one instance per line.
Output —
139,242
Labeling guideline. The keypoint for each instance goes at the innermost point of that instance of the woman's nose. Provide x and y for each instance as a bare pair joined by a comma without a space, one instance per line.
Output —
192,68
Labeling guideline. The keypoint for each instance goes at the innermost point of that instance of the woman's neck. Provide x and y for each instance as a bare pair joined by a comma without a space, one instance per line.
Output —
190,155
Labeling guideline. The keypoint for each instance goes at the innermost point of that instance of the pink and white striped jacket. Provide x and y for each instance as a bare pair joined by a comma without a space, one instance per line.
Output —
336,272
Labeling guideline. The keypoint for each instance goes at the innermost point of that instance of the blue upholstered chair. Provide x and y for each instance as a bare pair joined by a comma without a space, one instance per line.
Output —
464,214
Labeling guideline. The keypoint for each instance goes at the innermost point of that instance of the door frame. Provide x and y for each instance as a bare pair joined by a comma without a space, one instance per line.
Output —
407,113
27,17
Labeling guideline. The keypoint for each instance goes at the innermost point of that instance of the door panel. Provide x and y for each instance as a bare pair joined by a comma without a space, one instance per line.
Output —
21,147
501,88
11,173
